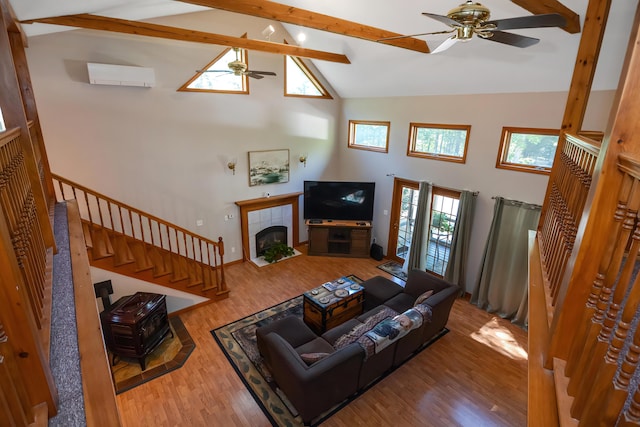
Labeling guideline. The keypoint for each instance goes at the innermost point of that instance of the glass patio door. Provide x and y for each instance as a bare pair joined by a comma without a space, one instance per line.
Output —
402,218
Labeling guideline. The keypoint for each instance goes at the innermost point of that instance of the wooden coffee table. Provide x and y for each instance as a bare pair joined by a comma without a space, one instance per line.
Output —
333,303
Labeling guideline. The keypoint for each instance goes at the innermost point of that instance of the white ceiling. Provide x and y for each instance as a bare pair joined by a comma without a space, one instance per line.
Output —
377,70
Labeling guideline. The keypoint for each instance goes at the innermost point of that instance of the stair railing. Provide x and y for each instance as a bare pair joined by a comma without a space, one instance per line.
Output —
569,190
100,210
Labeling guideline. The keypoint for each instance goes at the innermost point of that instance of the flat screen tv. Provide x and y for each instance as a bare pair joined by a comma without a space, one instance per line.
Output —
337,200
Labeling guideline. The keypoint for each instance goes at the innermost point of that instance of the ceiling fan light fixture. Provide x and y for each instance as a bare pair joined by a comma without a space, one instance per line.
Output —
464,33
469,13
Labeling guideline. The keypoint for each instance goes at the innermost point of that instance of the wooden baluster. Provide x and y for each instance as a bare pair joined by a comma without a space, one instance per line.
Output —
596,396
124,231
88,207
600,282
184,242
618,390
222,285
151,238
610,265
133,228
631,416
141,227
581,383
111,224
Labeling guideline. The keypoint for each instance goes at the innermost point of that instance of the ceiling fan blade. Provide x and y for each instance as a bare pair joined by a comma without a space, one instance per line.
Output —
533,21
254,75
445,44
264,73
511,39
443,19
415,35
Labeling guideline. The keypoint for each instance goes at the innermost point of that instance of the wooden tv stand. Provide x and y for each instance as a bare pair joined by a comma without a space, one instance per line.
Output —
339,238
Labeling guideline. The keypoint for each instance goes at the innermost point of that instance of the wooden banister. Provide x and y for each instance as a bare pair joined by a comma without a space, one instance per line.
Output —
101,408
569,189
24,328
106,212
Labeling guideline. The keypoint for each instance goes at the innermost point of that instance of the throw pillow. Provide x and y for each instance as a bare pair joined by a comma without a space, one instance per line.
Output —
311,358
423,297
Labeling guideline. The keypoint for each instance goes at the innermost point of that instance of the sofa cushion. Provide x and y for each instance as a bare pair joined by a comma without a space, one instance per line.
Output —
317,345
291,328
419,281
332,335
401,302
377,290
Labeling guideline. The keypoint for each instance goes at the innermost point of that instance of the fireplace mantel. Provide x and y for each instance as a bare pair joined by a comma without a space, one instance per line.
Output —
247,206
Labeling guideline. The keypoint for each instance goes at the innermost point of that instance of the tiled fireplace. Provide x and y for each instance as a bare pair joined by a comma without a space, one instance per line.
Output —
270,220
259,214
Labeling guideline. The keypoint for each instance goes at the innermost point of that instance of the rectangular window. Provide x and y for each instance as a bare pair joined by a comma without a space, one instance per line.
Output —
440,142
444,212
527,149
369,135
2,126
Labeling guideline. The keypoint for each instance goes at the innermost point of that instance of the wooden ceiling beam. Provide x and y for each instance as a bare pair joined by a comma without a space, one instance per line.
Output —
538,7
305,18
94,22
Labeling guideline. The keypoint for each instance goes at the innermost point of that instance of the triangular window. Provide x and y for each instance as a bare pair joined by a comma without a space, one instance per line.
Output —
217,77
300,81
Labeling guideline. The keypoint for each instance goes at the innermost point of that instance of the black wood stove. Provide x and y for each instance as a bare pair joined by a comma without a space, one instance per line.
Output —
135,325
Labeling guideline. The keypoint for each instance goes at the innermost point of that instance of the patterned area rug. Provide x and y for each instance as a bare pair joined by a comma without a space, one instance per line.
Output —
238,342
394,268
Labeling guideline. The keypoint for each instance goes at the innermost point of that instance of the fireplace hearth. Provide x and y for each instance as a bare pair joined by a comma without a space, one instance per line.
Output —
270,236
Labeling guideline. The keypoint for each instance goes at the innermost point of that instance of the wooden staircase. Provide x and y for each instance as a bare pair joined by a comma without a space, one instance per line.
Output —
127,241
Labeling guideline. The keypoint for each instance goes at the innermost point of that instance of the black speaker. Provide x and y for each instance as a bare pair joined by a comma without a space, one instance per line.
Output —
376,252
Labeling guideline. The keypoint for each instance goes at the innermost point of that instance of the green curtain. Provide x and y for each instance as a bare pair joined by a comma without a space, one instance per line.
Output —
502,282
416,257
458,251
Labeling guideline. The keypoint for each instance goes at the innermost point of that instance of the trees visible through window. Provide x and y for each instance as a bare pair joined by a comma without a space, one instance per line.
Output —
369,135
527,150
300,81
217,77
442,221
444,211
441,142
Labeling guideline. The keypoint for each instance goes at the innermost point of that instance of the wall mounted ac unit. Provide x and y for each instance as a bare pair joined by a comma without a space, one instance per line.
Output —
120,75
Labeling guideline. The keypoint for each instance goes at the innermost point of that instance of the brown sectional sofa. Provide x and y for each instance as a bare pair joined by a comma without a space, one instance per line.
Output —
342,370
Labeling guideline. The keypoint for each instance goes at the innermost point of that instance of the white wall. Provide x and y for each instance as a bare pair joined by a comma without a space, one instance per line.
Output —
124,285
486,114
165,151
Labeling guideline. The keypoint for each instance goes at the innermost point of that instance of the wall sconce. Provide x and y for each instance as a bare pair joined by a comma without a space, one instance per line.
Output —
231,164
303,159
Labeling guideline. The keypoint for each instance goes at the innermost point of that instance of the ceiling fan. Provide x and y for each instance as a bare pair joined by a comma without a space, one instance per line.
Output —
240,68
473,18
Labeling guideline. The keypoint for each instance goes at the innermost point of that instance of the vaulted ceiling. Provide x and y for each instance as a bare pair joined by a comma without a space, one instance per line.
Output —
342,40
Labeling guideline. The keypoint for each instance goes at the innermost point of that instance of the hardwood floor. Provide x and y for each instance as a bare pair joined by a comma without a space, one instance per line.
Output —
476,375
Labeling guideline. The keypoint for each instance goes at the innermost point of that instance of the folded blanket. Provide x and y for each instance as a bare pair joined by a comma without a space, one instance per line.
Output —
390,329
361,329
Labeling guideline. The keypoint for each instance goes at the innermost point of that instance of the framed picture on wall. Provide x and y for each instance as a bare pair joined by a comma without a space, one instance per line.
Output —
268,167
